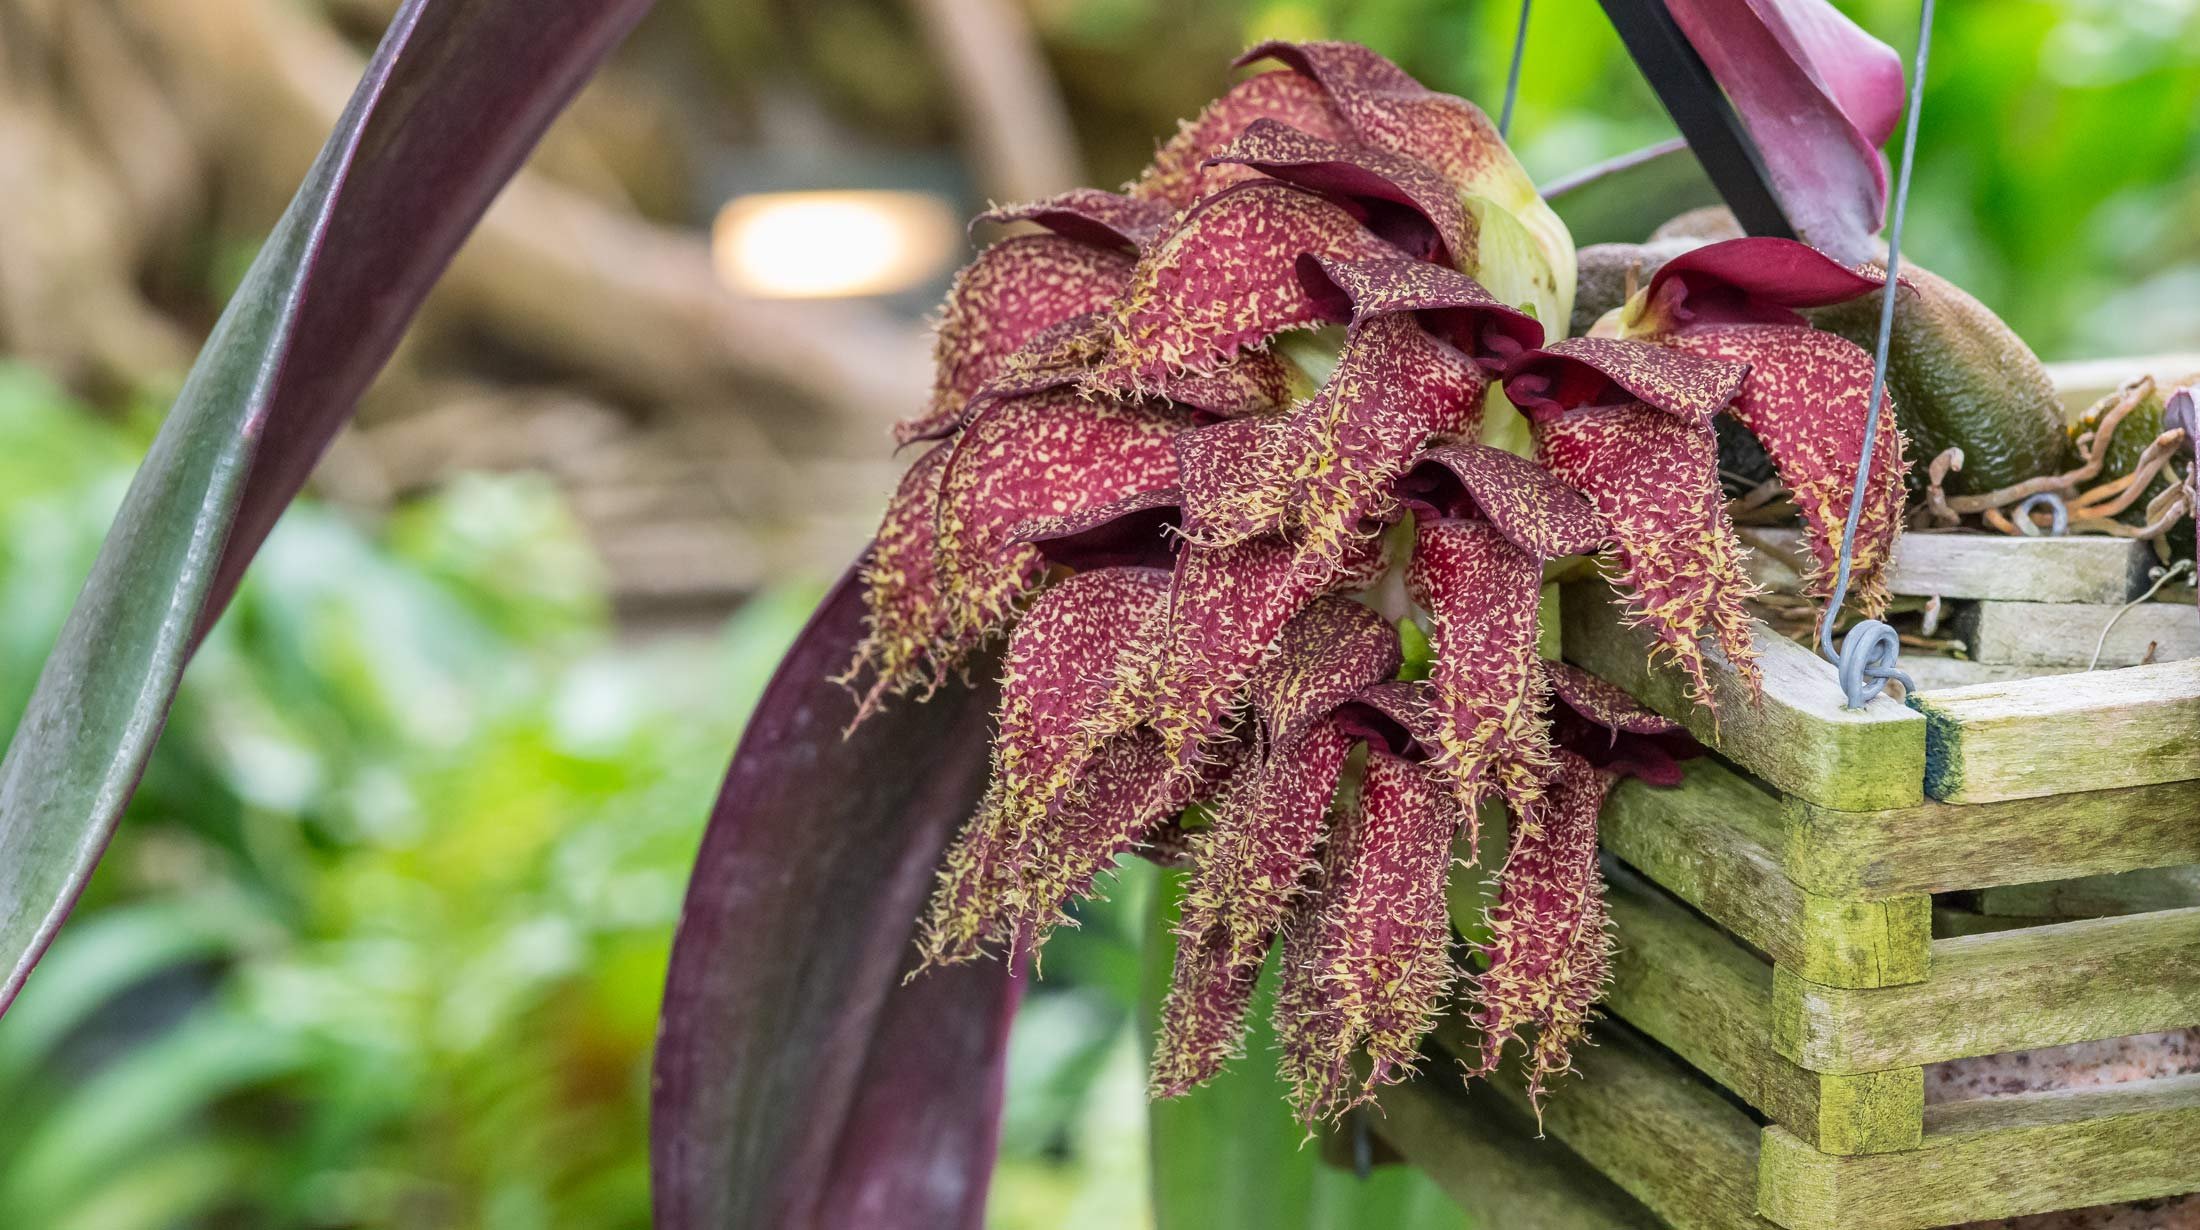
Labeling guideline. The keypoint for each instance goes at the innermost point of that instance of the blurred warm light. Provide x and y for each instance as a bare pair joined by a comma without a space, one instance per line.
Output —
809,245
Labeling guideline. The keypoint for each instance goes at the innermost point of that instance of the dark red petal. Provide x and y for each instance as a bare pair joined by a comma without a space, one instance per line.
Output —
1327,653
1061,661
1122,791
1136,530
1448,303
1047,454
1385,107
906,643
1806,400
1179,174
1000,301
1253,383
1227,608
1755,280
1583,372
1090,215
1223,280
1254,860
1405,201
1253,866
1379,966
1397,715
1482,594
1603,725
1326,473
1202,1019
1520,248
1654,479
1537,513
1601,702
1548,944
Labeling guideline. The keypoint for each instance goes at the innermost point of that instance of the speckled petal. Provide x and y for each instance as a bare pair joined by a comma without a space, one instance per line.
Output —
906,644
1180,174
1327,654
1224,280
1060,664
1000,301
1049,453
1482,595
1378,967
1120,794
1806,400
1548,945
1540,515
1600,702
1090,215
1402,199
1139,529
1227,609
1386,108
1253,869
1325,474
1584,372
1653,478
1448,303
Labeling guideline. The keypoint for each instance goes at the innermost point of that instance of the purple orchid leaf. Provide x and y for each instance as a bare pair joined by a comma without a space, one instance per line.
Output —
798,1080
1818,96
429,136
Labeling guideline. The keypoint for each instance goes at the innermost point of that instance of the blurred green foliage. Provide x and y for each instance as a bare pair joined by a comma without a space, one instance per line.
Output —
382,939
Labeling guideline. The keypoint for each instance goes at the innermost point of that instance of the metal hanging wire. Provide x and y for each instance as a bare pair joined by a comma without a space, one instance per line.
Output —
1869,655
1512,75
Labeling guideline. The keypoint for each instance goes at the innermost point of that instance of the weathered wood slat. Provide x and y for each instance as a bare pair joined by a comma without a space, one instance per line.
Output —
1945,847
2055,634
1485,1155
2080,568
2005,991
1797,737
1997,1157
2095,731
1661,1133
2130,892
1714,842
1707,999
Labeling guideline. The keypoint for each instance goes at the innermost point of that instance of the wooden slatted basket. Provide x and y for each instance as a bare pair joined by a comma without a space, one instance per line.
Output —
1781,985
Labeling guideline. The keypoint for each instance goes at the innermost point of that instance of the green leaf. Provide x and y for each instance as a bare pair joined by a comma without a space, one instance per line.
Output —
1231,1156
456,95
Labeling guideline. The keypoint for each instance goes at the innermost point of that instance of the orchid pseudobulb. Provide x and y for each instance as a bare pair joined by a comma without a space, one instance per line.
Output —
1197,447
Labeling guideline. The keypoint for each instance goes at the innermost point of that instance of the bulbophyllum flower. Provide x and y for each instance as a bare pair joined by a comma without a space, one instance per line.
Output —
1549,945
1200,544
1808,392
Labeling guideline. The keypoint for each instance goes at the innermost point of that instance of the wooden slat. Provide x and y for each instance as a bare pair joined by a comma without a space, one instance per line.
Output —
2095,731
2055,634
1944,847
2131,892
2006,991
1714,842
1663,1134
1707,999
1485,1155
1797,738
1970,565
1997,1157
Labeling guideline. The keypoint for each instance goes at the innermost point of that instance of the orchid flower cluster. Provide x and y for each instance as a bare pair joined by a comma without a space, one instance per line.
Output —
1207,449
